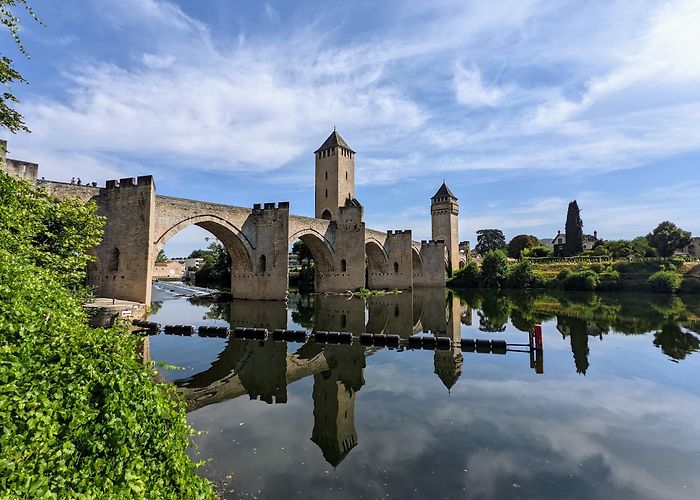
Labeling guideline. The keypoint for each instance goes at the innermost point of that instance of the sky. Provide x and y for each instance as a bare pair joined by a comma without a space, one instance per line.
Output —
521,106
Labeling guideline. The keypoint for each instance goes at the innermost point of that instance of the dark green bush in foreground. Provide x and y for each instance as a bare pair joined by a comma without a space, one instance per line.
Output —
664,282
585,280
81,417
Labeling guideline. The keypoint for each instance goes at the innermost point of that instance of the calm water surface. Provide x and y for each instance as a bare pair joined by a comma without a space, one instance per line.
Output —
610,410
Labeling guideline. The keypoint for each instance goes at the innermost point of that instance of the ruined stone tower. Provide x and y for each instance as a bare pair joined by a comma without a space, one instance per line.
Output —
444,210
335,176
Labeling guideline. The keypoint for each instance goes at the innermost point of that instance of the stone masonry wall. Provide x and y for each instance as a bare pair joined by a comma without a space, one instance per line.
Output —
432,272
125,257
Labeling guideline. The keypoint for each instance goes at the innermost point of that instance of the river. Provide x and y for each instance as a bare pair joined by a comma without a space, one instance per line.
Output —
610,408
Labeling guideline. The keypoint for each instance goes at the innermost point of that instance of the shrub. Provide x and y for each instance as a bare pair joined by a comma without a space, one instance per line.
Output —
581,280
609,280
468,276
598,268
537,252
664,282
522,276
494,269
82,417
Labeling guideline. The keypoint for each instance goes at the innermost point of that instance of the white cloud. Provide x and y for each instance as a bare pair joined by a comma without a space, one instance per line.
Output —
568,89
470,88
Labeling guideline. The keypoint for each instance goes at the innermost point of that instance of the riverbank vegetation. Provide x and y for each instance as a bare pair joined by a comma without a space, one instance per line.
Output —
653,275
645,263
81,415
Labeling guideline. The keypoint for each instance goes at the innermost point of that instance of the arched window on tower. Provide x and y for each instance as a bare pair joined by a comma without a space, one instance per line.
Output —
326,174
263,263
396,267
346,175
343,266
326,193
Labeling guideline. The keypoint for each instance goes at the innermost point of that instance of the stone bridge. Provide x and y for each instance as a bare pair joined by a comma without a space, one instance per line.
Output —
347,255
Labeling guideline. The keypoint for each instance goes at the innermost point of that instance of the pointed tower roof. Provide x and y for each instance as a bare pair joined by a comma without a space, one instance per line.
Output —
334,140
443,192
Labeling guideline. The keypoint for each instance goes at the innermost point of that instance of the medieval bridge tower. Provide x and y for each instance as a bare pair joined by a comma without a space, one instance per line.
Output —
335,176
444,211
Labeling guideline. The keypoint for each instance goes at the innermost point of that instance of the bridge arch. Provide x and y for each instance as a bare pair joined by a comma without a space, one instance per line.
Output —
235,242
416,262
321,249
377,258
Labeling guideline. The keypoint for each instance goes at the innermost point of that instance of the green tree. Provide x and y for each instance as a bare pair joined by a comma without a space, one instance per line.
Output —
303,253
520,243
666,238
574,230
489,239
161,256
55,236
215,271
494,269
197,254
468,276
10,118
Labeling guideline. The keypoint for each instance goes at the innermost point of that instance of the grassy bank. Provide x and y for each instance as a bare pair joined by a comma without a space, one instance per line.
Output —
659,276
81,415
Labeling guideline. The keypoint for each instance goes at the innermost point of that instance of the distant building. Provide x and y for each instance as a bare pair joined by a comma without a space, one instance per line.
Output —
193,263
293,261
464,247
170,269
559,242
692,250
589,240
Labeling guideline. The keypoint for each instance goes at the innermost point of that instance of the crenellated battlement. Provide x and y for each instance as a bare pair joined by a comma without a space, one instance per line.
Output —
259,208
142,180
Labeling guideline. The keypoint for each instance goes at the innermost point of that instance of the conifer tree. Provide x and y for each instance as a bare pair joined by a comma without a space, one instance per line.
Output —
574,230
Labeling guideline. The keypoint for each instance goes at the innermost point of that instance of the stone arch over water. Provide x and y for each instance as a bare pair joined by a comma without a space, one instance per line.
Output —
231,237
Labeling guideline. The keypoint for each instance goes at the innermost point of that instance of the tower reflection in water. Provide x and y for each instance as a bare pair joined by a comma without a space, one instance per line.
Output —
262,370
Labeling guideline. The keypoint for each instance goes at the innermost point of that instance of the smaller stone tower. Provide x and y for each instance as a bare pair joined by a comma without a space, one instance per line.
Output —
444,210
335,176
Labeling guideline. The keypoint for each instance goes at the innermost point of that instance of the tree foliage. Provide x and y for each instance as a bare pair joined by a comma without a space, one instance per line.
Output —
520,243
303,253
488,240
666,238
82,417
215,271
10,118
494,269
537,252
468,276
574,230
621,249
161,257
55,236
664,282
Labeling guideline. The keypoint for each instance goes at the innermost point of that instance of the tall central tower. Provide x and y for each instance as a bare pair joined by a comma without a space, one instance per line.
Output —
335,176
444,211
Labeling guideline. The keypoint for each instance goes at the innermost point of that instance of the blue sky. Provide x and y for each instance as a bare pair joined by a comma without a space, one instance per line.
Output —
522,106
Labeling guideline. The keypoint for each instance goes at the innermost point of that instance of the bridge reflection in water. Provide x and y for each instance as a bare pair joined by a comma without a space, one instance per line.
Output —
262,370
